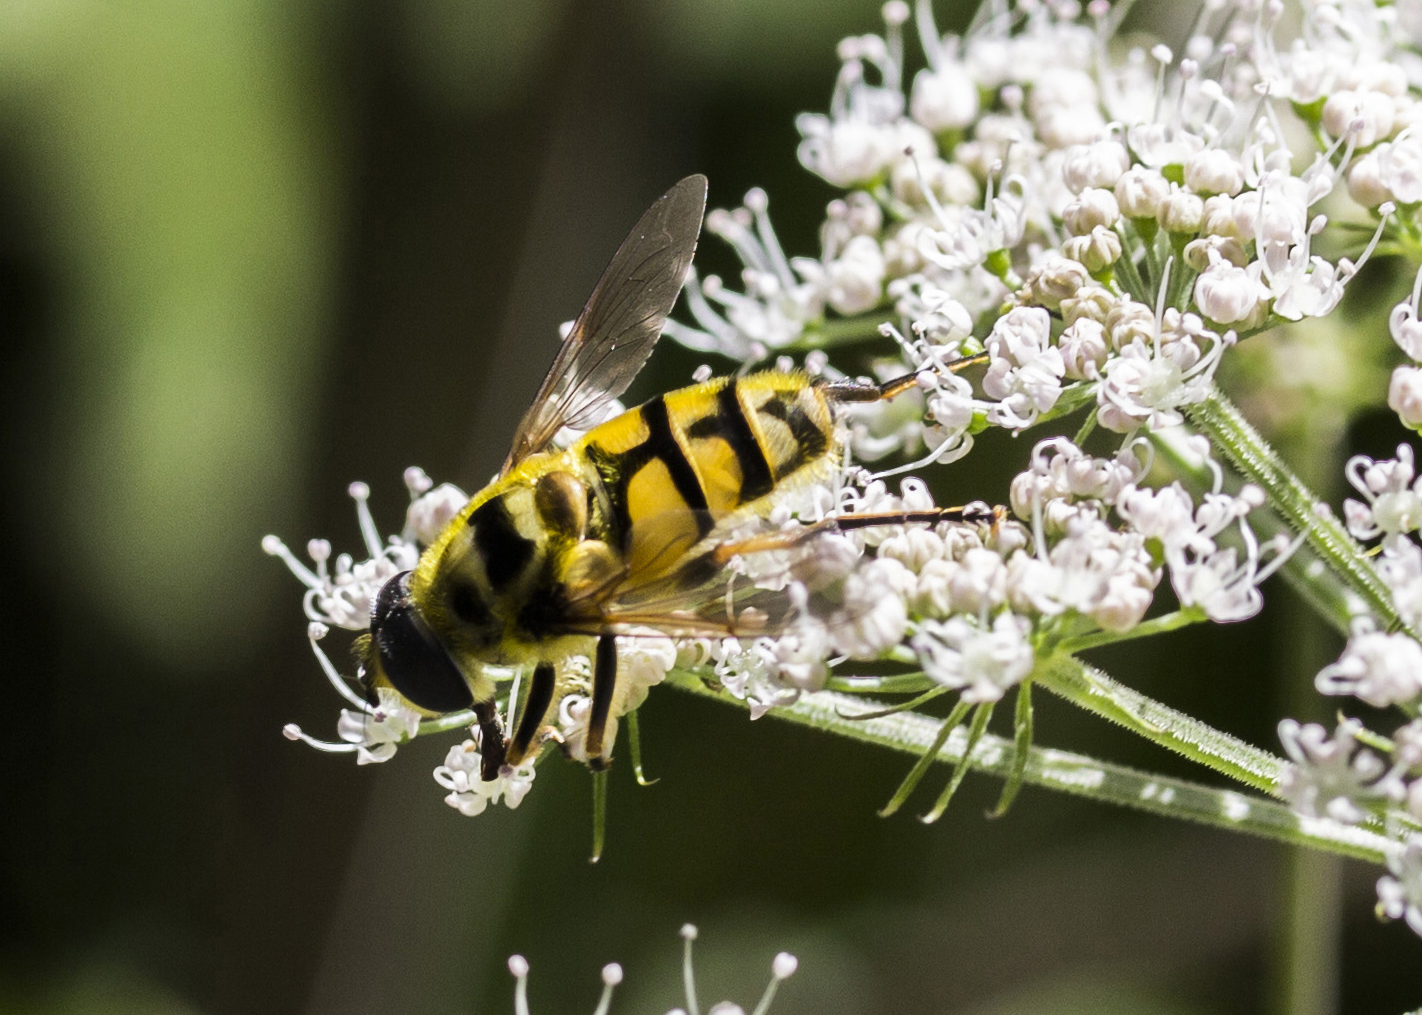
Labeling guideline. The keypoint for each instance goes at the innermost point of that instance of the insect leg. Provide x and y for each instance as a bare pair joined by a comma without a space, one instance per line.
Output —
540,694
604,682
968,513
854,391
491,739
842,523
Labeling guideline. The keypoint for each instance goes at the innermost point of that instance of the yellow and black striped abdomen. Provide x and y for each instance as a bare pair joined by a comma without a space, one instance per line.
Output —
674,467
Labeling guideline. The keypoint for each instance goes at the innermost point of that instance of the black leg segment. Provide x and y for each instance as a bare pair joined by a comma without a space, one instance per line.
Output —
491,739
604,683
540,694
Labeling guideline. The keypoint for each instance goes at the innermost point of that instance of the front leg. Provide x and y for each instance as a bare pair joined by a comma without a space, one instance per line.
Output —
492,744
604,683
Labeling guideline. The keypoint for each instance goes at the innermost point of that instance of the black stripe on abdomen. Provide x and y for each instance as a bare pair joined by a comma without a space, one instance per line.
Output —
810,440
661,443
756,477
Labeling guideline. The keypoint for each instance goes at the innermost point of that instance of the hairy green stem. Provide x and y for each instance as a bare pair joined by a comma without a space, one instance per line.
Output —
1156,625
1219,420
1072,773
1089,688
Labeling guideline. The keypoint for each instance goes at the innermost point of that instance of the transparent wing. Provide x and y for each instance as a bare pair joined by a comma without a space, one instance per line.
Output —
700,595
621,322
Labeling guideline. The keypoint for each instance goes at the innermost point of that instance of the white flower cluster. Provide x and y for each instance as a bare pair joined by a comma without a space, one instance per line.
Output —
1335,776
344,599
782,967
973,600
1404,392
469,794
1383,668
1103,220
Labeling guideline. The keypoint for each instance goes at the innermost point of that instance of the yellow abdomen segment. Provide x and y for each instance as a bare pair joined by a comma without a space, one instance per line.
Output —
674,467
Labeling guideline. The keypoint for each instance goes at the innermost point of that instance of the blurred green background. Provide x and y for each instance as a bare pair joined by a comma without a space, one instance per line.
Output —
251,251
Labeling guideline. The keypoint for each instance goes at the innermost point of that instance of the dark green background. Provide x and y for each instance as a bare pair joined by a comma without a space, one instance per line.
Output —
251,251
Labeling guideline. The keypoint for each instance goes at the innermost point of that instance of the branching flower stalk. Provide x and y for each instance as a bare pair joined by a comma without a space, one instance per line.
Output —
1097,226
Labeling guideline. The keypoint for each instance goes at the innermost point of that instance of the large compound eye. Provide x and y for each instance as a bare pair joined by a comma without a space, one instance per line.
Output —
414,661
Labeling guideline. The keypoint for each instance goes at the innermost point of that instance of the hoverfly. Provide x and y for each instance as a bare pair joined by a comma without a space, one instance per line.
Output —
621,531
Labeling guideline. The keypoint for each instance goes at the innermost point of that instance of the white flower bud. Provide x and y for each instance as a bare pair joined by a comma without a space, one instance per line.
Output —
1092,207
1365,182
1091,302
1405,328
1084,349
1140,192
1404,395
1062,126
1228,295
1129,322
1347,109
1097,251
1218,218
1214,171
1095,165
1181,212
944,97
1056,279
1199,254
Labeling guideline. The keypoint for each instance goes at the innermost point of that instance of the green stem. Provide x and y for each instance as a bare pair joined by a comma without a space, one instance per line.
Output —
1072,773
1089,688
841,331
897,683
1156,625
1218,419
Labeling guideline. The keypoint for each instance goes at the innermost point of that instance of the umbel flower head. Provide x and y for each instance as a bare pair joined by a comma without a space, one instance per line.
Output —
1035,220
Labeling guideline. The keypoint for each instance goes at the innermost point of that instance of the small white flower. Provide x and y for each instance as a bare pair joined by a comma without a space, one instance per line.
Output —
945,97
1393,493
1400,896
1229,295
1180,211
984,662
1140,192
469,793
1405,327
1091,208
1367,115
874,615
1084,349
1331,776
1025,371
431,510
376,733
1382,669
1147,384
343,597
1096,251
1400,567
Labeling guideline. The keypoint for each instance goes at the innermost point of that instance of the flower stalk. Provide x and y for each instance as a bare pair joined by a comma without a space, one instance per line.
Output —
1069,772
1219,420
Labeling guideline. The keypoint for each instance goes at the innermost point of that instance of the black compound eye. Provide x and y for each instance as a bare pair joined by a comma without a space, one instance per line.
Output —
414,660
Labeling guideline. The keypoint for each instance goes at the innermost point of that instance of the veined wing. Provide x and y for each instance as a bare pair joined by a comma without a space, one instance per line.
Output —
620,323
702,594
